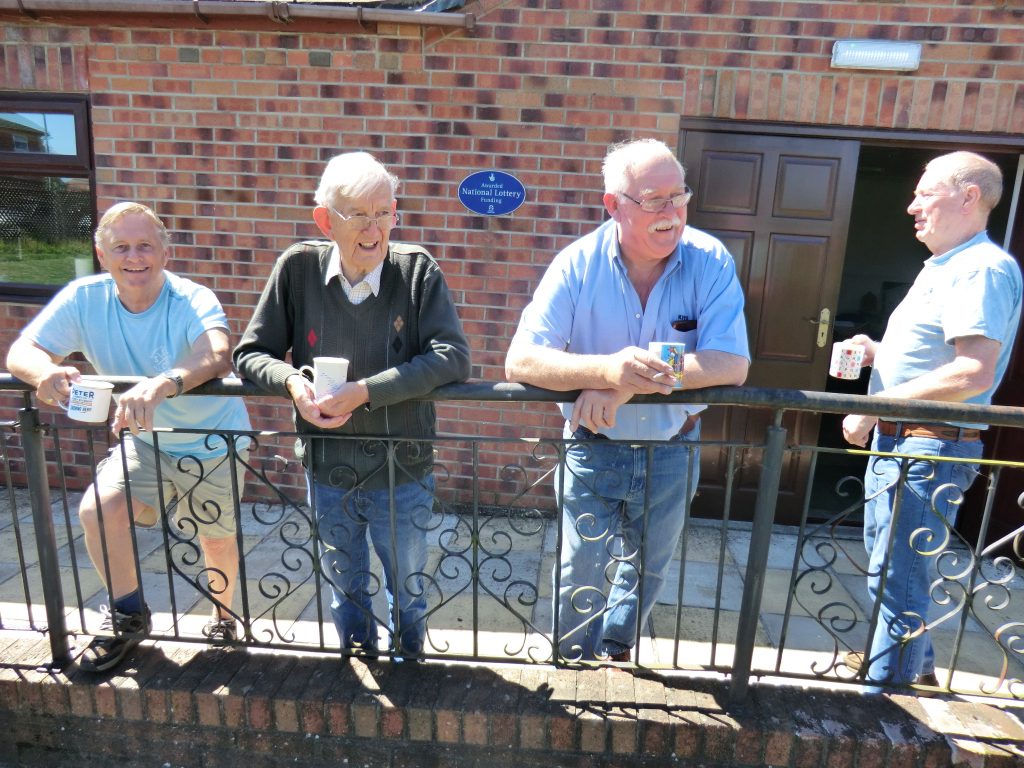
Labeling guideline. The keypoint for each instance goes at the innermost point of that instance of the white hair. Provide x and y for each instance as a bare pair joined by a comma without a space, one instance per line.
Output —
622,160
352,175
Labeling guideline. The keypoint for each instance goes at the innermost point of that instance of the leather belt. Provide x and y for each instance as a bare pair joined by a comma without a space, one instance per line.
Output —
936,431
582,433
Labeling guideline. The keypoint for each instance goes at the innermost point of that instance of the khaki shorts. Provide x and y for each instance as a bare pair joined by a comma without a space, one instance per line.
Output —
202,495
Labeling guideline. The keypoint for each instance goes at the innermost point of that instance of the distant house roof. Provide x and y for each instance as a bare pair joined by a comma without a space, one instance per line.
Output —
432,6
21,123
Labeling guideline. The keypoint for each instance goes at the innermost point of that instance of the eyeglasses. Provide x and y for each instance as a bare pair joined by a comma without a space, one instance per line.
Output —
657,204
361,221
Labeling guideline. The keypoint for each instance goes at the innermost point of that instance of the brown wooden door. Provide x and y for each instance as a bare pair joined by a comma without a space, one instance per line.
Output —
782,207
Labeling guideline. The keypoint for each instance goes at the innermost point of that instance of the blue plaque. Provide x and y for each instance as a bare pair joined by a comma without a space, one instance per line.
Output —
491,193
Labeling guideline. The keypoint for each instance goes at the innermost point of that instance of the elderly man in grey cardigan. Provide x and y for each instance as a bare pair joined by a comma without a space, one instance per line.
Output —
385,307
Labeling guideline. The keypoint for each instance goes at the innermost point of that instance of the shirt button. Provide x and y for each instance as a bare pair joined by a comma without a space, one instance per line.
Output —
637,315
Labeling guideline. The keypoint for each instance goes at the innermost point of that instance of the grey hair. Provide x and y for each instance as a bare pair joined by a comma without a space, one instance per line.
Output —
964,168
622,159
351,175
118,211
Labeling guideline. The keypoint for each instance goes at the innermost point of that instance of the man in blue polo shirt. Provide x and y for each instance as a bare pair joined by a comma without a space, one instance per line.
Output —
950,339
641,277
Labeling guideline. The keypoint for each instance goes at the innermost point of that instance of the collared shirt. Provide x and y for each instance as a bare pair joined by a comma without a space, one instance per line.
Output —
586,304
362,290
971,290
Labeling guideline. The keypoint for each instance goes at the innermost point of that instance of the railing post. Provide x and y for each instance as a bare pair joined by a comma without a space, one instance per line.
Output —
46,539
757,558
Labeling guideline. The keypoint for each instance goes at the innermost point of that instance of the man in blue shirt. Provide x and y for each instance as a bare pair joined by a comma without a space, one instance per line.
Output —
140,320
641,277
950,339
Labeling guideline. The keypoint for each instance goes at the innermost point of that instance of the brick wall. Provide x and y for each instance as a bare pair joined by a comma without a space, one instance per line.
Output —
225,127
175,705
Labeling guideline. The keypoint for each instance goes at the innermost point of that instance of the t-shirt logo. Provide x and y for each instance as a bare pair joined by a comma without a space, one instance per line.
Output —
161,359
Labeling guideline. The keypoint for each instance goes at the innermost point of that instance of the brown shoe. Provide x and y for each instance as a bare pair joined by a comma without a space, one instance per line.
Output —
853,660
626,655
929,681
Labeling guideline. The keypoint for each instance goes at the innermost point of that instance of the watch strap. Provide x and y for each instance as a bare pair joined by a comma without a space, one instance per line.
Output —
177,378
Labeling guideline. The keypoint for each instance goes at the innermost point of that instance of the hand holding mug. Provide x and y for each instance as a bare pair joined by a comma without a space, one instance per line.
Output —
329,374
55,387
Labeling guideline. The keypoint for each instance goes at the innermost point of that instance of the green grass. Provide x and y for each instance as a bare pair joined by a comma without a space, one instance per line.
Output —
36,262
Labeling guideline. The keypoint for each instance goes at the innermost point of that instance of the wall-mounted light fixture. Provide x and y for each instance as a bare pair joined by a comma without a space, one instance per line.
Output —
875,54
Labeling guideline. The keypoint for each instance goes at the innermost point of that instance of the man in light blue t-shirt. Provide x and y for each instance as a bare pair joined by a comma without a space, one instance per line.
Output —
140,320
950,339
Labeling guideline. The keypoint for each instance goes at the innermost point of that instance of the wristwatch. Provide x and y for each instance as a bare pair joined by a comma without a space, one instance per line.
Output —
179,381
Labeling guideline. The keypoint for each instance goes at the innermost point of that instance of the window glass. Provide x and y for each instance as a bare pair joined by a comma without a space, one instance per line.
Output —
38,132
47,204
45,229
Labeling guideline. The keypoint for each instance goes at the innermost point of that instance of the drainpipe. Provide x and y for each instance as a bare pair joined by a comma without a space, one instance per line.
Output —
281,12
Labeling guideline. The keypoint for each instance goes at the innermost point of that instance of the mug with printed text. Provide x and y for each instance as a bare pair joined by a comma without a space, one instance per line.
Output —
89,401
671,352
329,374
847,359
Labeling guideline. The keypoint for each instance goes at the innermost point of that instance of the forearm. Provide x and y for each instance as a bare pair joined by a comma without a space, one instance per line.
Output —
711,368
554,369
208,358
31,363
954,382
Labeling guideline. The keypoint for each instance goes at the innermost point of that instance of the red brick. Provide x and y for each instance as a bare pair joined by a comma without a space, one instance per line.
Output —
562,732
778,747
593,732
810,750
286,715
448,726
338,718
258,712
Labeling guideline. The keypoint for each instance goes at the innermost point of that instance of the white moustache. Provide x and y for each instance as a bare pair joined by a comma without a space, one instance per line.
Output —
675,222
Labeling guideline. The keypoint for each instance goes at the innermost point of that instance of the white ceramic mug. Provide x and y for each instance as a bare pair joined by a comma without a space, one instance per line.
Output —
672,352
89,401
847,359
329,374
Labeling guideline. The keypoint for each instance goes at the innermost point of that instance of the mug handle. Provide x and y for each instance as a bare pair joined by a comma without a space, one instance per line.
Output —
307,372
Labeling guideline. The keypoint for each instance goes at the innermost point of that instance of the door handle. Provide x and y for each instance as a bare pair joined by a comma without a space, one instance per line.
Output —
822,321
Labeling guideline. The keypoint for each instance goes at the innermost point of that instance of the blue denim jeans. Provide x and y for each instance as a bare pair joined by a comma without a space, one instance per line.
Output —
398,532
607,538
919,530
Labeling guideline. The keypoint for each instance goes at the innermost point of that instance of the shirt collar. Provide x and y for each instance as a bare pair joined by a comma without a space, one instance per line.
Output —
675,259
942,258
334,269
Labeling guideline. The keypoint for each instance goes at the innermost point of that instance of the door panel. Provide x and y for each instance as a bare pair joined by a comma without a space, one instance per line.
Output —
782,207
806,187
792,298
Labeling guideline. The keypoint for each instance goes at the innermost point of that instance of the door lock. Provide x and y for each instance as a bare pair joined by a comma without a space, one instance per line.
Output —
822,321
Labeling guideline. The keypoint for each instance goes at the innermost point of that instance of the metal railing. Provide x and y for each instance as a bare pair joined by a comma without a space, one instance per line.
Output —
749,599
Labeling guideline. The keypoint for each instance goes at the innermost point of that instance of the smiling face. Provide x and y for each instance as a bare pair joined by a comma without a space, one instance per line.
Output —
133,254
361,249
649,237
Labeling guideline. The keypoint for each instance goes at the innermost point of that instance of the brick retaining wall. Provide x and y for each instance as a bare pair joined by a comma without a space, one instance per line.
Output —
182,705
